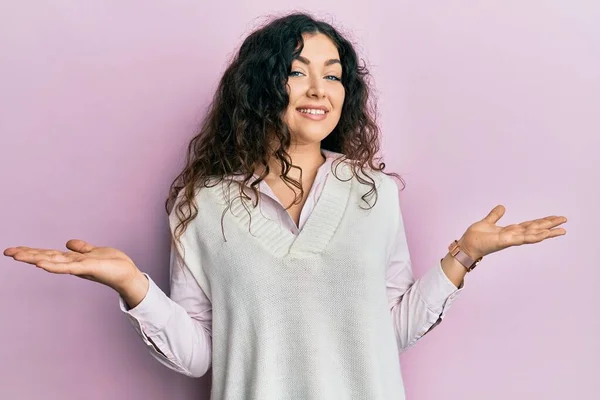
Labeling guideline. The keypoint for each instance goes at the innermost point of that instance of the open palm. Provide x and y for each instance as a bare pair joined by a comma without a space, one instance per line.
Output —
485,237
105,265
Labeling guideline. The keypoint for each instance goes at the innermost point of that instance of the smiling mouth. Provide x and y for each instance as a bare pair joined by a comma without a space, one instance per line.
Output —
312,111
312,114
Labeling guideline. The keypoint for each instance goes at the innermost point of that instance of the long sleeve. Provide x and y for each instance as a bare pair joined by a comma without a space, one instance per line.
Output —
417,306
177,330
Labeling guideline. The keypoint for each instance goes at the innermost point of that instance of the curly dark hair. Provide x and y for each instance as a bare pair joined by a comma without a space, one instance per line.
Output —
246,114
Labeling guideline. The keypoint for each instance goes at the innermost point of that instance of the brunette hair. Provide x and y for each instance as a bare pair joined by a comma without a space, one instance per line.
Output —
246,113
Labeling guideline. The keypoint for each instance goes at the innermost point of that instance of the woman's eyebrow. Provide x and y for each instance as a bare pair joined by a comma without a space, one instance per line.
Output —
329,62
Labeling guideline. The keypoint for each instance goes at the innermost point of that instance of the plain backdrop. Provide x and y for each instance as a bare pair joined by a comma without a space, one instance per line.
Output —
480,103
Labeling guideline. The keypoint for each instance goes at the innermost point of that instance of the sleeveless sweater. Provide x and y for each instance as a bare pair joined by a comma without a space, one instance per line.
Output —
299,317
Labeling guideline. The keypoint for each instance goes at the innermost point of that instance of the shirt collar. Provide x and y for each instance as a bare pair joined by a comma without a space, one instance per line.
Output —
322,172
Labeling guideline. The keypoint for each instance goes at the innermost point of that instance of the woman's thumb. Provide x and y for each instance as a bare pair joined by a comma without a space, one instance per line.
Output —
79,246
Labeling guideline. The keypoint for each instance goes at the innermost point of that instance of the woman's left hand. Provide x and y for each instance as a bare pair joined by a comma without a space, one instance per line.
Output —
485,237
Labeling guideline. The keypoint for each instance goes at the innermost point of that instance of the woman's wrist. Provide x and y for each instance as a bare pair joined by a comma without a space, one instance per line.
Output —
135,290
453,269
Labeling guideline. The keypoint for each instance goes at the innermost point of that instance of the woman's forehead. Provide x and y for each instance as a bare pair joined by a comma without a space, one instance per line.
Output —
318,48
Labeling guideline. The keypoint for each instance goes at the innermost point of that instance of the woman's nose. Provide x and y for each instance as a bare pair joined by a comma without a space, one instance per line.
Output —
316,89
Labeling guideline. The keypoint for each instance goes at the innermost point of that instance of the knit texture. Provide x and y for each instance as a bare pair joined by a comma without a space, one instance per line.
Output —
301,317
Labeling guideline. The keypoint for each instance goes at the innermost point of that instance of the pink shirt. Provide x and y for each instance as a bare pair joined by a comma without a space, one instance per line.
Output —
178,330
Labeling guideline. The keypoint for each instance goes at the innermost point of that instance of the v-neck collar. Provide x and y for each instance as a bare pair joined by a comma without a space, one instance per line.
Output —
317,231
265,190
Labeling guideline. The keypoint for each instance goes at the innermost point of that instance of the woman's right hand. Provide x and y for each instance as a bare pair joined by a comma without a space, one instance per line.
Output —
106,265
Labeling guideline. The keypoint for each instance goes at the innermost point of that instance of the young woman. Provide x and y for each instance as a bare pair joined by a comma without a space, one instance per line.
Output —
290,272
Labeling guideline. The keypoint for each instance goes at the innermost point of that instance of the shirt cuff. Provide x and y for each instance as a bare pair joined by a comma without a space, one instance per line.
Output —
436,289
154,311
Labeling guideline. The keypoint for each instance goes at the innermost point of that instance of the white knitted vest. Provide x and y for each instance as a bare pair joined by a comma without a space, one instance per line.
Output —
299,317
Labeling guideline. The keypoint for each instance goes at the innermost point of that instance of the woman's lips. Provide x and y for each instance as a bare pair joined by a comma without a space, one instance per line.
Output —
314,117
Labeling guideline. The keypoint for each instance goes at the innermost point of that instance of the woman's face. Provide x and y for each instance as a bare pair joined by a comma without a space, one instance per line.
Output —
315,90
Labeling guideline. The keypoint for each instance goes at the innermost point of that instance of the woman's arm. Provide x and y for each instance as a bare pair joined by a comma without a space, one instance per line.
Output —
417,306
177,330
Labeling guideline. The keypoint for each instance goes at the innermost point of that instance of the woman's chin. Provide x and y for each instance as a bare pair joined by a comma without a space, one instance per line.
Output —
308,135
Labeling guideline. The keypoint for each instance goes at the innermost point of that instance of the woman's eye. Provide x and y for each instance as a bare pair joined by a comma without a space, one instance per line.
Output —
328,77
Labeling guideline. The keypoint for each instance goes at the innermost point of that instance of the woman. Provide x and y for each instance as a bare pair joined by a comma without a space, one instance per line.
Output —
290,272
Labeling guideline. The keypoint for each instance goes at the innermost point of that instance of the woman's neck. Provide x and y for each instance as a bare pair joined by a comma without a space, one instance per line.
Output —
308,158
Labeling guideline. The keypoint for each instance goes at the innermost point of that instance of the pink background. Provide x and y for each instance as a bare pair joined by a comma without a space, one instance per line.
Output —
481,103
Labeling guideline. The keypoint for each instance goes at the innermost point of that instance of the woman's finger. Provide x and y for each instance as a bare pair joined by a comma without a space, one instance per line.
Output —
527,224
494,215
79,246
10,251
73,267
34,256
544,223
539,235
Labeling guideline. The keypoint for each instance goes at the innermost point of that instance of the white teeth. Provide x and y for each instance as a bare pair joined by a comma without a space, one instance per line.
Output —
312,111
